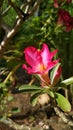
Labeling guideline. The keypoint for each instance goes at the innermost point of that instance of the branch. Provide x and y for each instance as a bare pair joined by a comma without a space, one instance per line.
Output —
6,11
15,8
63,117
26,4
36,4
9,36
15,29
5,27
11,124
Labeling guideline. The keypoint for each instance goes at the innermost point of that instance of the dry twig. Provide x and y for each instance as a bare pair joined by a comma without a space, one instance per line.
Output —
63,117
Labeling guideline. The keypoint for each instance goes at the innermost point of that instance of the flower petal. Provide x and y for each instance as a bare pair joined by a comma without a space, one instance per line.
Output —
45,54
52,64
53,53
39,61
31,70
32,56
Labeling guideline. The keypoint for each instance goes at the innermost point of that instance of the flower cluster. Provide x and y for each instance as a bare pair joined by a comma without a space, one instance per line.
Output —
40,62
64,18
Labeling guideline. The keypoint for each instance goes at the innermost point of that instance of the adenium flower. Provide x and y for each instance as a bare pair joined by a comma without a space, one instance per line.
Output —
65,19
40,62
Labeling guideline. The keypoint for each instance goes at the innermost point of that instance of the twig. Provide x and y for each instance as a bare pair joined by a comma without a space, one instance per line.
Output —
14,125
15,8
11,72
5,27
6,11
36,4
26,4
63,116
9,36
27,7
32,80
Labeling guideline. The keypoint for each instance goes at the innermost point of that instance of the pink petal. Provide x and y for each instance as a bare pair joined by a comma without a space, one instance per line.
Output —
40,61
32,56
31,70
53,53
52,64
45,54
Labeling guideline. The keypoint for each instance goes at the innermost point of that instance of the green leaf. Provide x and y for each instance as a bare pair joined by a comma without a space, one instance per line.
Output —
62,102
68,81
53,72
61,86
34,99
48,91
15,110
29,88
51,93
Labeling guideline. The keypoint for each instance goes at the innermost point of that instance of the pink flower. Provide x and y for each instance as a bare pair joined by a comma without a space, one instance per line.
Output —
65,19
39,61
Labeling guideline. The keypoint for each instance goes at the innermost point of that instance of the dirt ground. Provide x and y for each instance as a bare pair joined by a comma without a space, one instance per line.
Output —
35,118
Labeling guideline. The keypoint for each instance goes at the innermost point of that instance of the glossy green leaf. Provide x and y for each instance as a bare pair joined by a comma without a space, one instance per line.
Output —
34,99
68,81
53,72
62,102
29,88
48,91
51,94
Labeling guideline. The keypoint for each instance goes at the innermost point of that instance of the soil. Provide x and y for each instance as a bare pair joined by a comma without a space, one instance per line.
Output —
34,118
